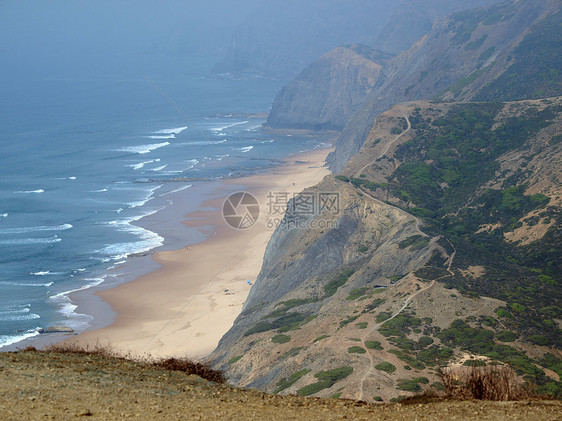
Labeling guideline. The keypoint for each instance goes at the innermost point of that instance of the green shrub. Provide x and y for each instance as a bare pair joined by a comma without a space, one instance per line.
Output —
382,316
326,380
362,325
354,294
356,350
409,385
350,319
321,337
507,336
408,359
373,345
334,375
313,388
342,178
280,339
331,287
386,366
377,399
235,359
363,249
539,340
293,378
425,341
502,312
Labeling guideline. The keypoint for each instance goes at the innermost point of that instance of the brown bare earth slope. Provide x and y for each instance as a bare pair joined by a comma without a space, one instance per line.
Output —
48,385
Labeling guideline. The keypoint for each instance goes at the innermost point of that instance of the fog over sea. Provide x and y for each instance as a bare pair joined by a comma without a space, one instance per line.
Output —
83,158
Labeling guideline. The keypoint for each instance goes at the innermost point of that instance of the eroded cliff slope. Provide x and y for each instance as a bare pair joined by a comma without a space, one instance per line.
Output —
442,250
327,92
503,52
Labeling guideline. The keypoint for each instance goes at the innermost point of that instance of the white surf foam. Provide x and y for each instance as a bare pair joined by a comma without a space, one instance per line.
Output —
147,240
177,190
159,168
203,143
3,215
25,285
176,130
26,230
149,195
140,165
144,149
245,149
10,340
228,126
30,191
169,136
26,241
253,128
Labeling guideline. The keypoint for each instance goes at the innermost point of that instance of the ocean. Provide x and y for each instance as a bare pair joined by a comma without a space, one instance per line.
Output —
83,158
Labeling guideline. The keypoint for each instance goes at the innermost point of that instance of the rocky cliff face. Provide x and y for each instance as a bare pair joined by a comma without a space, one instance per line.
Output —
441,251
327,92
459,58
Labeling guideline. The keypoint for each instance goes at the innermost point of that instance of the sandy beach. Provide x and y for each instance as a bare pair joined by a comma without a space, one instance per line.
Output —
185,306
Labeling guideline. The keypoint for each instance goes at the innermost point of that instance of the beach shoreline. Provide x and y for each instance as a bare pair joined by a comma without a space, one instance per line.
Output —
189,297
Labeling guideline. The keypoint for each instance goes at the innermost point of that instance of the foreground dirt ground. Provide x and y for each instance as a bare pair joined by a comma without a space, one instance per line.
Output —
42,386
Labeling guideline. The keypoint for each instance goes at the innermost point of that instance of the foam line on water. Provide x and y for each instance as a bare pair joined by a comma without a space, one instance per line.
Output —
26,230
143,149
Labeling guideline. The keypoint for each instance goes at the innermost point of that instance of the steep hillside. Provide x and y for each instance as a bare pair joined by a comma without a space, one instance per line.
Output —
461,58
327,92
443,248
414,18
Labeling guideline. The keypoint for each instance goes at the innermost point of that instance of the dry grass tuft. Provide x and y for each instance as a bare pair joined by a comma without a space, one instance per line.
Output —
103,351
190,367
495,383
172,364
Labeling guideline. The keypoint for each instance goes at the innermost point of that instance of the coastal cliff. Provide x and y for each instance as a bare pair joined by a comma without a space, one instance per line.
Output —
327,92
465,55
436,256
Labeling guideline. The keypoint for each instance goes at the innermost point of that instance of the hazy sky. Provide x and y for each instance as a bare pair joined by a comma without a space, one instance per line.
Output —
67,36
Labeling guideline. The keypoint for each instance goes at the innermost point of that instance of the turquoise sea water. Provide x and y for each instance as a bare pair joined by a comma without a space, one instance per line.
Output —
83,157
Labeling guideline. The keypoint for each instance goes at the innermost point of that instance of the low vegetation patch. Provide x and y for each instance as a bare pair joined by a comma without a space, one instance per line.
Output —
356,350
326,380
235,359
321,337
386,366
280,339
332,286
373,345
357,293
291,380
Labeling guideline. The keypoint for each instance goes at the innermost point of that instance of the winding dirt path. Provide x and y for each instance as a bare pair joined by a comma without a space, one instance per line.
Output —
408,300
